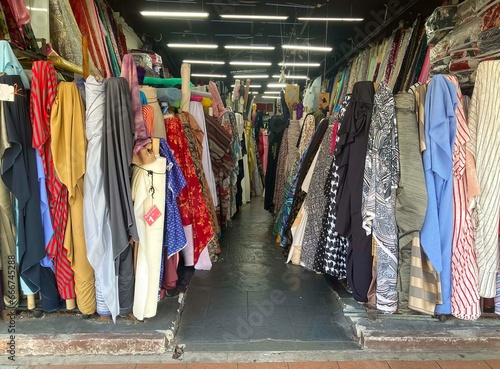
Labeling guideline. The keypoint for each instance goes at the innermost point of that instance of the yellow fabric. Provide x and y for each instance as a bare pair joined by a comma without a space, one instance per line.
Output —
69,147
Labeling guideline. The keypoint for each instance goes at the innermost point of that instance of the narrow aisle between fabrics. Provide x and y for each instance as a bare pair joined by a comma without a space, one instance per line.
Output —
252,300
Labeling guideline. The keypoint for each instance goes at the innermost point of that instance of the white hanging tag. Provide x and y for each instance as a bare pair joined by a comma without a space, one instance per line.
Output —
6,93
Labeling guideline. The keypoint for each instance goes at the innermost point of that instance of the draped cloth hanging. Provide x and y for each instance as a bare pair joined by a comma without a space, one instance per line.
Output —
19,174
129,72
43,94
192,204
148,191
484,115
350,159
10,65
69,147
117,148
98,235
437,231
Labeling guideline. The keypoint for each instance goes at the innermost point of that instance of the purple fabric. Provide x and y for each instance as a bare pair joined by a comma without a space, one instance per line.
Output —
129,72
141,73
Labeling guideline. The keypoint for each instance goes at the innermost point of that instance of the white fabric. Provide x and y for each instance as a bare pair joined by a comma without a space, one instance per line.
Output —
197,112
149,254
98,237
204,262
188,251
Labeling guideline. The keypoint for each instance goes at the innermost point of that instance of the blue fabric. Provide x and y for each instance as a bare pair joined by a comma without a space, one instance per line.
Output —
174,237
144,99
437,230
10,65
48,231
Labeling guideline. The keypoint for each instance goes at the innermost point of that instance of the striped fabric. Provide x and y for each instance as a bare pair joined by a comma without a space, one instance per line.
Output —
43,93
425,287
148,114
484,120
465,302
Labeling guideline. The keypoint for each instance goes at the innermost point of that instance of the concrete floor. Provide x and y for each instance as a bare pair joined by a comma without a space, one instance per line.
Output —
252,300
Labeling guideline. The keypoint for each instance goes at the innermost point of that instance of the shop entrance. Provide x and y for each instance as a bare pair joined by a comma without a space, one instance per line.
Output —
252,300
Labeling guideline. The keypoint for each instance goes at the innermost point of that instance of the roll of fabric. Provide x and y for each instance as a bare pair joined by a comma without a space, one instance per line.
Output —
129,72
43,94
117,149
350,159
485,146
148,193
98,237
217,104
159,123
69,146
409,213
437,230
186,86
19,174
381,179
7,227
465,301
10,65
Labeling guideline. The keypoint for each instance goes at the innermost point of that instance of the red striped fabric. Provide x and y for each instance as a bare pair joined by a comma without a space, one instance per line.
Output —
43,94
465,302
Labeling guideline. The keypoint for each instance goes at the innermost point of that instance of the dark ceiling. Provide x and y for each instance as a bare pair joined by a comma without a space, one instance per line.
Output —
341,36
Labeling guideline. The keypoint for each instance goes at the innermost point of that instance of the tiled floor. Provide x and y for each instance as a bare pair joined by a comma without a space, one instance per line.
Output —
252,297
488,364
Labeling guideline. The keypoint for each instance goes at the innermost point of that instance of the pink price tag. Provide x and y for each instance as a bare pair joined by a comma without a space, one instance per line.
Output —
152,215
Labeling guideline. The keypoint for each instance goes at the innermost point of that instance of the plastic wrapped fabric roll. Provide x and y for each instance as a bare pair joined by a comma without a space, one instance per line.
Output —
185,90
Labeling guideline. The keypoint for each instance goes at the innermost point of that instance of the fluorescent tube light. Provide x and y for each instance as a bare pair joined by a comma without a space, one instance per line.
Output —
194,46
269,97
211,62
332,19
249,47
251,63
291,77
275,85
264,17
299,64
174,14
208,75
307,48
250,76
251,86
272,92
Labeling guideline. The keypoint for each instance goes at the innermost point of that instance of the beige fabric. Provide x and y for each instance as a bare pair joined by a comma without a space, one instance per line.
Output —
149,249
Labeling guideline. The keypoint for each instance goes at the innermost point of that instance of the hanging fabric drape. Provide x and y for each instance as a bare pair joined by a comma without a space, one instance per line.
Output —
69,147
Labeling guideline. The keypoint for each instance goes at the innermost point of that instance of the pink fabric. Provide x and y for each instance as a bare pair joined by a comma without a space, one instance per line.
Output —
170,277
129,72
196,98
426,67
217,104
334,137
20,12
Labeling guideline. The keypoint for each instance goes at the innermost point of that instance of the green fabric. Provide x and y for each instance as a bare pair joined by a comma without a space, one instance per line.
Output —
167,82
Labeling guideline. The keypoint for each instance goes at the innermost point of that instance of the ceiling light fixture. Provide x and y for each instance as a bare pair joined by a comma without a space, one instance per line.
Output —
250,76
299,64
208,75
272,92
211,62
251,63
263,17
194,46
249,47
275,85
292,77
307,48
331,19
269,97
148,13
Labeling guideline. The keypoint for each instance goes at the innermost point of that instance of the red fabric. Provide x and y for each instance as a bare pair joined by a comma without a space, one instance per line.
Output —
20,12
192,205
84,24
43,93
